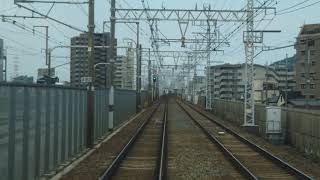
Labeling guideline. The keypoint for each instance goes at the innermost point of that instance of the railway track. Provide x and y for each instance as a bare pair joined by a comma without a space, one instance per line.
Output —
144,156
251,160
191,155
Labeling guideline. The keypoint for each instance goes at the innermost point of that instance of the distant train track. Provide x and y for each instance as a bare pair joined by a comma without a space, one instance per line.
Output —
253,161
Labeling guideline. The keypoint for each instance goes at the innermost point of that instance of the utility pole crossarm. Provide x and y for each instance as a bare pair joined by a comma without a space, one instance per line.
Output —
182,15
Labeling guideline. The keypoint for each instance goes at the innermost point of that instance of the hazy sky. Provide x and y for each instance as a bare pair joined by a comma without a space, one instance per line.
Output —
26,49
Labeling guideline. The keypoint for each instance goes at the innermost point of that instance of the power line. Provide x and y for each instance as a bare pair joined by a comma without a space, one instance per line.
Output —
293,6
236,30
317,2
29,29
9,9
60,31
82,9
17,42
53,19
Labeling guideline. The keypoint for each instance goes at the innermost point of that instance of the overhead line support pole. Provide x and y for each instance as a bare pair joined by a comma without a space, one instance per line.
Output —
208,88
149,78
48,59
112,59
249,119
138,69
90,107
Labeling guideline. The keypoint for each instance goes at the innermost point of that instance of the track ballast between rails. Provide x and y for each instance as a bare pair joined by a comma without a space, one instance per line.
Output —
154,129
244,166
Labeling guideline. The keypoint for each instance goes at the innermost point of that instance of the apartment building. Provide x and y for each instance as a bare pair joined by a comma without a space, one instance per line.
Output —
125,73
308,61
199,85
79,60
285,69
228,82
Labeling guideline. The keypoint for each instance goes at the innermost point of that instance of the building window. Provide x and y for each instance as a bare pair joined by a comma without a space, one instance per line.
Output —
303,53
302,74
311,43
303,86
312,75
312,96
312,86
313,63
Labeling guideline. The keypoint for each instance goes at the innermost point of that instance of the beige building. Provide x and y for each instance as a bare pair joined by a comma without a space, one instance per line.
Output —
228,82
125,74
286,71
308,61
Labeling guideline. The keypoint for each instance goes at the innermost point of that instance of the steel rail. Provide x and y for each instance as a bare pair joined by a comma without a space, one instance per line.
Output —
110,171
163,146
259,149
116,162
244,170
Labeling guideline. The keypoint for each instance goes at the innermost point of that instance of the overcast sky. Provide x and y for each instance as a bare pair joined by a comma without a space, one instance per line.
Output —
26,50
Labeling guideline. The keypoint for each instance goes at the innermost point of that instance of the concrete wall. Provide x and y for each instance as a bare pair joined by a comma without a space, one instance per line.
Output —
303,130
300,128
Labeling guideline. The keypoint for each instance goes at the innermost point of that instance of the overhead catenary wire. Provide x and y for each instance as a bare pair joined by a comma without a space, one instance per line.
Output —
8,9
50,18
18,43
29,29
300,8
82,9
231,34
293,6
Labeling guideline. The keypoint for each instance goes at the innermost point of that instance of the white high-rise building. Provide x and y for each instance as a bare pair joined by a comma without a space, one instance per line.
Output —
125,74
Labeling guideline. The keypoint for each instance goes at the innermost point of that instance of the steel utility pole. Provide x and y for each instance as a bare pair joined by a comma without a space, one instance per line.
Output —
149,78
5,57
139,79
249,68
48,59
112,59
287,69
106,52
90,108
195,79
208,85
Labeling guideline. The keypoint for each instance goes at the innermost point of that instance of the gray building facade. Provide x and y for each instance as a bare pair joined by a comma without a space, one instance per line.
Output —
308,61
228,82
286,71
79,60
1,59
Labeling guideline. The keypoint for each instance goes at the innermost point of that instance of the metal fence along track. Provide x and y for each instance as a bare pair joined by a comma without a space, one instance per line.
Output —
43,128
